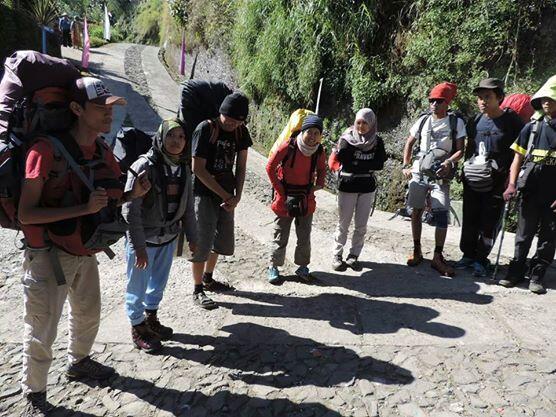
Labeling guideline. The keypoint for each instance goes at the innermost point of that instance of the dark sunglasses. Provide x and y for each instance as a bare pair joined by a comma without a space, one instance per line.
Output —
436,100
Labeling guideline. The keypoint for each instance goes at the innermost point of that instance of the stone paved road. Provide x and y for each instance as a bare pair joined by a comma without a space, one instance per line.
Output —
388,341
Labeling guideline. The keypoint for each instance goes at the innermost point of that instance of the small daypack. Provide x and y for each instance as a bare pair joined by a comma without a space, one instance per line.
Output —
479,171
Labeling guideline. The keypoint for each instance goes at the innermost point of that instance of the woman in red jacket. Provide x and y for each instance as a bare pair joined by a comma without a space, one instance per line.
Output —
296,171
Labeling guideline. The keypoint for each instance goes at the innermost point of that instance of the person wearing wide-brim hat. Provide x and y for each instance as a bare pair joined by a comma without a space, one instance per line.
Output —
489,137
533,174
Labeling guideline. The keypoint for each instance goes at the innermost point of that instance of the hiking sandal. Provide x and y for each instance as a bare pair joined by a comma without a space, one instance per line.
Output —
216,286
203,301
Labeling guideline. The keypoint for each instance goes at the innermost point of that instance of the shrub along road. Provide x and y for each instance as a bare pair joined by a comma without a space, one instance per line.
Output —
387,341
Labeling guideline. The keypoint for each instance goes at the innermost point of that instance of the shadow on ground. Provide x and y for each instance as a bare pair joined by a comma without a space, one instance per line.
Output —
252,350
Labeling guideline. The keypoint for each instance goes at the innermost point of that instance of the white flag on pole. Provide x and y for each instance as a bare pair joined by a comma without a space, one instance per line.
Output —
106,24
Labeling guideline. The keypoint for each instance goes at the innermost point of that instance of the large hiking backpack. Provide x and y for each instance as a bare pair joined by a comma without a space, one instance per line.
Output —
200,101
34,102
33,98
130,143
521,104
292,128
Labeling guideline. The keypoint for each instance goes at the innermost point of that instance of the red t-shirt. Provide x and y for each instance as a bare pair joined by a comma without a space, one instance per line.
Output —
39,163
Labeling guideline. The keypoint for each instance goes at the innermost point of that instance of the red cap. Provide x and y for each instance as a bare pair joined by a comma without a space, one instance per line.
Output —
446,91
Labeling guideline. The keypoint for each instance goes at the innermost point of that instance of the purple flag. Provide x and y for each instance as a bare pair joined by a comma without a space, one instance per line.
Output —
86,46
182,58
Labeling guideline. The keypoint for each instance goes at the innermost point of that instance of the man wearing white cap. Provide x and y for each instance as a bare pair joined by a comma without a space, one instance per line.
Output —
55,208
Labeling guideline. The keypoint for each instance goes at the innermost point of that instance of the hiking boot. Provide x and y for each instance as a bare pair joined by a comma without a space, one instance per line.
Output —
89,368
152,322
203,301
464,263
416,258
145,339
303,273
216,286
536,286
273,275
479,269
338,264
516,274
439,264
353,263
35,405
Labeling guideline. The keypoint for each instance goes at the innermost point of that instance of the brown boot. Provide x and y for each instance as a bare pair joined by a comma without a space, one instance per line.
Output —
163,332
439,263
145,339
416,258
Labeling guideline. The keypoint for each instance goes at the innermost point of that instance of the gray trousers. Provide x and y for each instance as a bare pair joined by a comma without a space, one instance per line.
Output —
281,235
350,204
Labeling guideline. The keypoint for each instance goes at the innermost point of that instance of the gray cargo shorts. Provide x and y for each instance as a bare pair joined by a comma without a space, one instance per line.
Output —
418,189
215,229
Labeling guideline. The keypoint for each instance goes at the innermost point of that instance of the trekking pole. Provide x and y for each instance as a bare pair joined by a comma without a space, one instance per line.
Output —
318,96
504,217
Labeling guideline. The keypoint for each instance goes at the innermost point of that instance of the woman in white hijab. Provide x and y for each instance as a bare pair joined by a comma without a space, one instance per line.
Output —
360,152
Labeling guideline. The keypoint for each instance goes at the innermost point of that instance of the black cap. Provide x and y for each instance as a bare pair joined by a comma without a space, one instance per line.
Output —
490,84
236,106
312,120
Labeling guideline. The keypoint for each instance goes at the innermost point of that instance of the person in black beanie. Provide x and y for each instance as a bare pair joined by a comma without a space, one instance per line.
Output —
218,144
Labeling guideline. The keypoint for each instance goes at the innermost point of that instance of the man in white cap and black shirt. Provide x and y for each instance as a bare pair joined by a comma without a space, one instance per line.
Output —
218,145
57,265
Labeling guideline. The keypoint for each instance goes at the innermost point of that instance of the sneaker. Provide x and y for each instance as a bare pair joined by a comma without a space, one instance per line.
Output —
439,264
536,286
464,263
353,263
152,322
479,270
416,258
145,339
216,286
303,273
89,368
516,274
35,405
203,301
273,275
338,264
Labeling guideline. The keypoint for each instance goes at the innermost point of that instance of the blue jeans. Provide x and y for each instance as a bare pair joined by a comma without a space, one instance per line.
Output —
145,287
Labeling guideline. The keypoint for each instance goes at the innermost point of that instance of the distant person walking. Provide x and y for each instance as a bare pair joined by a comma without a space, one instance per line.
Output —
65,27
360,152
76,31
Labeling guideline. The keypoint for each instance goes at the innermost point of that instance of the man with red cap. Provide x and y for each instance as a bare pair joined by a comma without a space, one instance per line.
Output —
441,136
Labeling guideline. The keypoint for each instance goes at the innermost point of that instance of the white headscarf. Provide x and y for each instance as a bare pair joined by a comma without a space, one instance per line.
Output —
367,141
303,147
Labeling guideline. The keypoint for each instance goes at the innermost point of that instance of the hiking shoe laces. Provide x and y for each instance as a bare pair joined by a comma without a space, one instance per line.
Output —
35,405
273,274
203,301
163,332
89,368
145,339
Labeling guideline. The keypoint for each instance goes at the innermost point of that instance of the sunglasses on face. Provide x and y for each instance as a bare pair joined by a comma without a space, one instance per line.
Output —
436,100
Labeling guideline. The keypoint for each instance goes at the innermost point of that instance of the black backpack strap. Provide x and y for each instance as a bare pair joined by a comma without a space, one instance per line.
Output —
314,160
292,151
214,130
532,136
421,125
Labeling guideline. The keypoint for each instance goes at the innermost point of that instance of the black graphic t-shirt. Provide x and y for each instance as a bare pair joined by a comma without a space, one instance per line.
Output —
220,154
